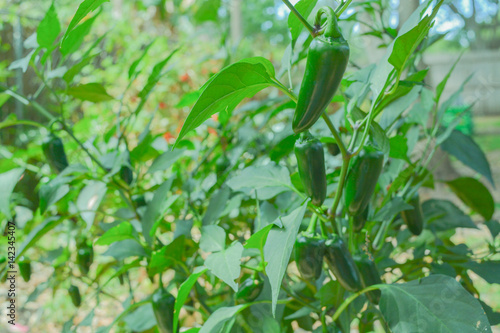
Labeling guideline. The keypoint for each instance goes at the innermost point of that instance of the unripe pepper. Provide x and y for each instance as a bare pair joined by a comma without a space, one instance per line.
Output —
126,174
25,268
361,181
84,257
327,60
414,218
53,149
369,276
342,265
311,164
250,289
163,308
74,293
309,252
359,221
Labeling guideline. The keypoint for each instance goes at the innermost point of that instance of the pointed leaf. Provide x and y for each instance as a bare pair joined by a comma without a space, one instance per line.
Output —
226,264
474,194
278,248
437,303
228,88
49,28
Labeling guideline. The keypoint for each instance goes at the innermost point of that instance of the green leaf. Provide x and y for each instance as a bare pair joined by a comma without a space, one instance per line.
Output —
165,160
167,256
22,63
213,238
207,11
155,210
258,239
37,233
93,92
494,227
120,232
72,41
304,7
155,75
226,264
216,205
474,194
443,215
468,152
133,68
228,88
376,132
89,200
124,249
489,270
261,177
442,84
493,317
389,210
141,319
8,181
218,319
399,147
49,28
406,43
183,293
391,112
278,248
76,69
83,10
188,99
50,194
436,303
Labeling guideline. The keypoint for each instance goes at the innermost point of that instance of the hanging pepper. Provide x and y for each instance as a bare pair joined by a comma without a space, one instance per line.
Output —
341,263
163,308
250,289
84,257
359,221
414,218
311,164
361,181
369,276
74,293
53,149
24,268
126,174
327,60
309,252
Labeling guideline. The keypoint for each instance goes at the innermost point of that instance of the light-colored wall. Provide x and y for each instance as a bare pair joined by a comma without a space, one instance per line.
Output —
484,86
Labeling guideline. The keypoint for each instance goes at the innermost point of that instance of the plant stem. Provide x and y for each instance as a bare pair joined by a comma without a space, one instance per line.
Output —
338,194
336,135
300,17
343,8
350,299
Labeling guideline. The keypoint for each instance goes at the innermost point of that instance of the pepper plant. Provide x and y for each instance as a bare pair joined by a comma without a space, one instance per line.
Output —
301,209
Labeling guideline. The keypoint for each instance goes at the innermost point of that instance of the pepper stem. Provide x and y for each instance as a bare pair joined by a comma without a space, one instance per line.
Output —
311,229
331,28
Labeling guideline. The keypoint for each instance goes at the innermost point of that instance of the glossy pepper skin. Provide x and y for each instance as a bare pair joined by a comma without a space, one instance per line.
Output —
414,218
369,276
311,163
74,293
327,60
84,257
361,181
53,149
309,252
163,308
25,269
250,289
342,264
359,221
